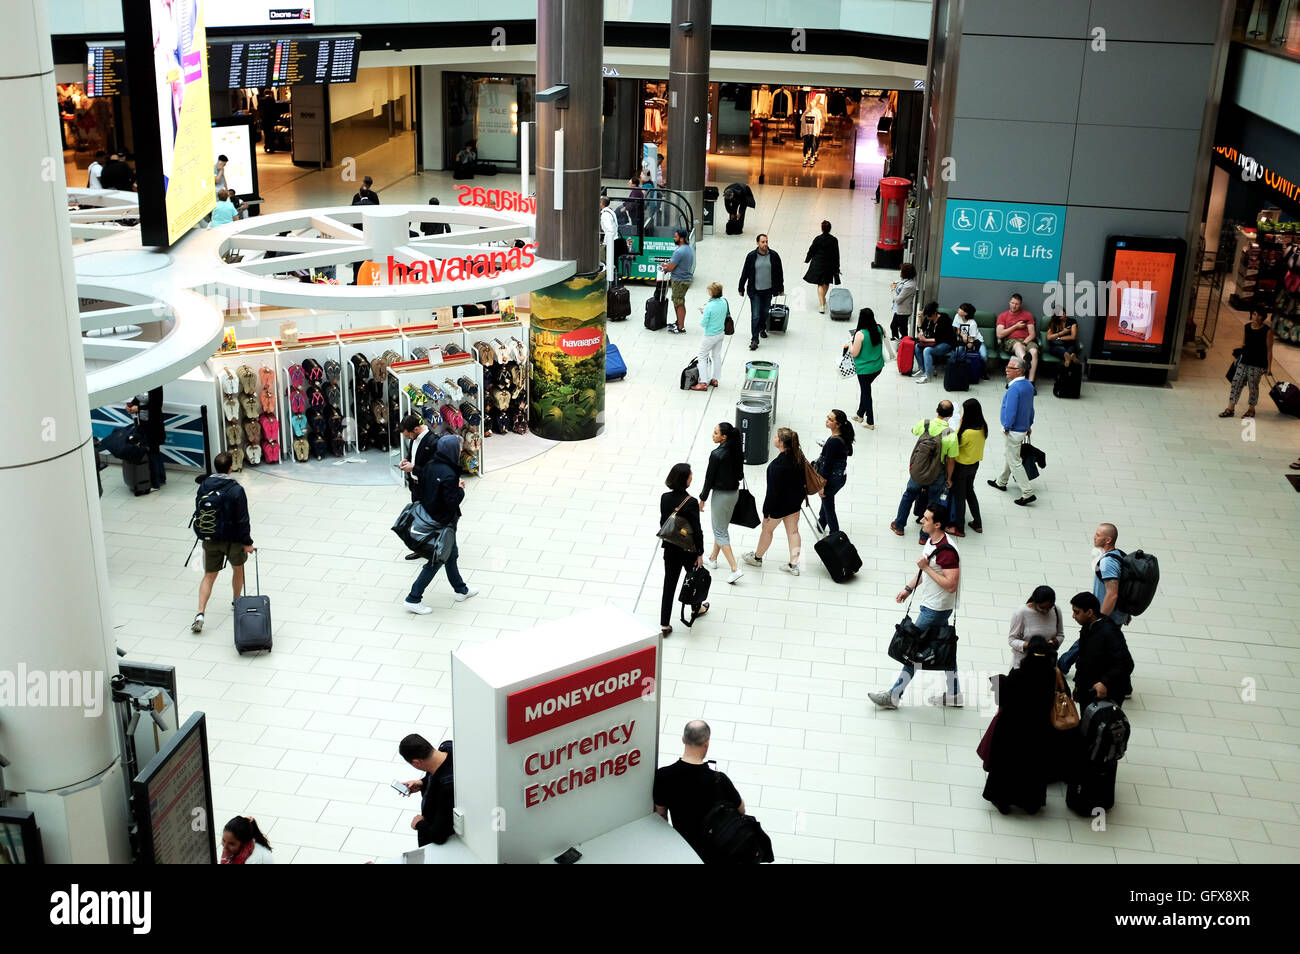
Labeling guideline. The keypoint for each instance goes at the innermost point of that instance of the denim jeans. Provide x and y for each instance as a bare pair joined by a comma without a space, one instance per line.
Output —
926,617
430,570
935,490
834,484
759,303
929,354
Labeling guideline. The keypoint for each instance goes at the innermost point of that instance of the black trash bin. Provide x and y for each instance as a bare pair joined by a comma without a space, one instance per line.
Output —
754,421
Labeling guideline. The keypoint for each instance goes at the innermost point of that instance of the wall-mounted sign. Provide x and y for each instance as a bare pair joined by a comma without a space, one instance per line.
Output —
609,72
502,199
1002,241
1142,276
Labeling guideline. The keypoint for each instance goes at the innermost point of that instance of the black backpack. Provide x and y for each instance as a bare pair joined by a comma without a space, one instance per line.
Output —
1105,731
211,520
1139,577
733,838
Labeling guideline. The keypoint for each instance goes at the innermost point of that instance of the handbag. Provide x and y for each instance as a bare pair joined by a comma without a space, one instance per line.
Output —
422,535
985,748
1065,715
847,366
676,530
908,637
813,482
695,589
745,513
1232,368
729,325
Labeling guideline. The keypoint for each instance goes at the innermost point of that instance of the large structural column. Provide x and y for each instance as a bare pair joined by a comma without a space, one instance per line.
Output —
56,647
690,34
567,320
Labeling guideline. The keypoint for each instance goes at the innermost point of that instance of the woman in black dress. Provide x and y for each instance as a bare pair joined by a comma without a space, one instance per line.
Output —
823,261
676,559
1024,746
787,488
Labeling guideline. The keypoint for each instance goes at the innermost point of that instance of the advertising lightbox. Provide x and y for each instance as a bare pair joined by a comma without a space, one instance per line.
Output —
244,13
1141,277
232,137
166,52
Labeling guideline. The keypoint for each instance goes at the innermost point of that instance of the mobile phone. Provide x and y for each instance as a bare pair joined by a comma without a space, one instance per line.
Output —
400,786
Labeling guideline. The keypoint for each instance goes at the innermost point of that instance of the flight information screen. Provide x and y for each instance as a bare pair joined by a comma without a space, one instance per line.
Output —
105,70
283,61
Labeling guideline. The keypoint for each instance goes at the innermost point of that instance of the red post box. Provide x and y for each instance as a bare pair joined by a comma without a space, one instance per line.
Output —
893,202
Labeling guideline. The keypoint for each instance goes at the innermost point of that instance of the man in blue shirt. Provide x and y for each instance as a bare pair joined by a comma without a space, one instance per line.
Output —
681,269
1017,421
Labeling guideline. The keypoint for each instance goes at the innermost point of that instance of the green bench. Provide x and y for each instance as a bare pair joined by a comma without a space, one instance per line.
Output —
987,321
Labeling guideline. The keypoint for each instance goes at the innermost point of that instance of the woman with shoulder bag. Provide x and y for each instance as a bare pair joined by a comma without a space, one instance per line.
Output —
868,352
1255,361
832,466
722,479
787,488
678,502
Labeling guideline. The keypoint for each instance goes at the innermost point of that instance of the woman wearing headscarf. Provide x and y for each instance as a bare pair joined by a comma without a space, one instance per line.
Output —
1023,744
441,490
242,843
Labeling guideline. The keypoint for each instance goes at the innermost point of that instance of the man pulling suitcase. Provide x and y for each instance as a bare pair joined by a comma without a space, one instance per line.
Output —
221,524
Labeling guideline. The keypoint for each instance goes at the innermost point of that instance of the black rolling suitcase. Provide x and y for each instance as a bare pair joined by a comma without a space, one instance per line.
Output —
253,618
618,304
135,474
778,316
956,375
1286,396
1090,787
1069,381
656,308
838,555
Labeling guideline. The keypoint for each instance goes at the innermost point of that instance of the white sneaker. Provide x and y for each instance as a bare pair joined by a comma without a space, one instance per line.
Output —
943,699
883,699
711,564
790,568
922,379
821,310
419,609
750,560
735,575
468,594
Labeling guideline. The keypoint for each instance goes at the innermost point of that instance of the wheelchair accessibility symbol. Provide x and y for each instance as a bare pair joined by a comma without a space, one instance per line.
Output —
963,218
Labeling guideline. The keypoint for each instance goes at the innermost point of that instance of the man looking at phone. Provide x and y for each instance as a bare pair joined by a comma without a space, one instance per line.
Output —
1016,330
690,787
433,824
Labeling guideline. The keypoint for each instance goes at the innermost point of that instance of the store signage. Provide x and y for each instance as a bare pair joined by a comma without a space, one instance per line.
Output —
1002,241
502,199
1252,170
578,695
483,265
609,72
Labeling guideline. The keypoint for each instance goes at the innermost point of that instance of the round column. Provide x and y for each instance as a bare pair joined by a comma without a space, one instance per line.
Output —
53,579
688,101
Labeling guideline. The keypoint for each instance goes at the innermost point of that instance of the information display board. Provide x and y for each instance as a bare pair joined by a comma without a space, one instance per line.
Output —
105,69
257,62
1002,241
172,795
252,13
1142,277
171,115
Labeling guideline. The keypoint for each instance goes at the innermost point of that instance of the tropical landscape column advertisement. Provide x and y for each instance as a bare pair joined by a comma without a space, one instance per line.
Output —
567,359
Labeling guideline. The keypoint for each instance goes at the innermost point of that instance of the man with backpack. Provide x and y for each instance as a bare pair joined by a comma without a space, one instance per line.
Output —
930,467
1017,421
1107,574
222,526
705,807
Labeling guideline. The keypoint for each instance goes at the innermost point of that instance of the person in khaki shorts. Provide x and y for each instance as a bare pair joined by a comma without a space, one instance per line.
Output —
681,270
233,542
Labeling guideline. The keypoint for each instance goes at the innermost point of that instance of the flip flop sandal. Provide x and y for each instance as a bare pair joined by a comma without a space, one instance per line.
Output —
704,611
1250,412
1227,414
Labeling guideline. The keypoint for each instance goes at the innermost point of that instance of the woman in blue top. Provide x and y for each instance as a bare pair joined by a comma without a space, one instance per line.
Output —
224,212
713,321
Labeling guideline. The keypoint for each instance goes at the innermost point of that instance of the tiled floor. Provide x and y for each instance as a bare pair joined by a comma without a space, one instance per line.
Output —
306,738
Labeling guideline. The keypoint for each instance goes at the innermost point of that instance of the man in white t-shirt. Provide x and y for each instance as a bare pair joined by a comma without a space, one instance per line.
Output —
936,586
95,170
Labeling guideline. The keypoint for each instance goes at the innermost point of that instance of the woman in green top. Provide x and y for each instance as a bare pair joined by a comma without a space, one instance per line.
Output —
714,322
971,435
868,350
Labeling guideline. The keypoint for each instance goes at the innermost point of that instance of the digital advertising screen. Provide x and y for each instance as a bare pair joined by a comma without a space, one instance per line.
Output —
171,115
1143,280
232,137
170,794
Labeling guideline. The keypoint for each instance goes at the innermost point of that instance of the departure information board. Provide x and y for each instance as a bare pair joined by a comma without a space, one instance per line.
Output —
284,61
105,69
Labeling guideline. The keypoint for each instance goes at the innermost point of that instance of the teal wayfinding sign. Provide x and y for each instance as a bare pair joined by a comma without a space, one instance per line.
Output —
1003,241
